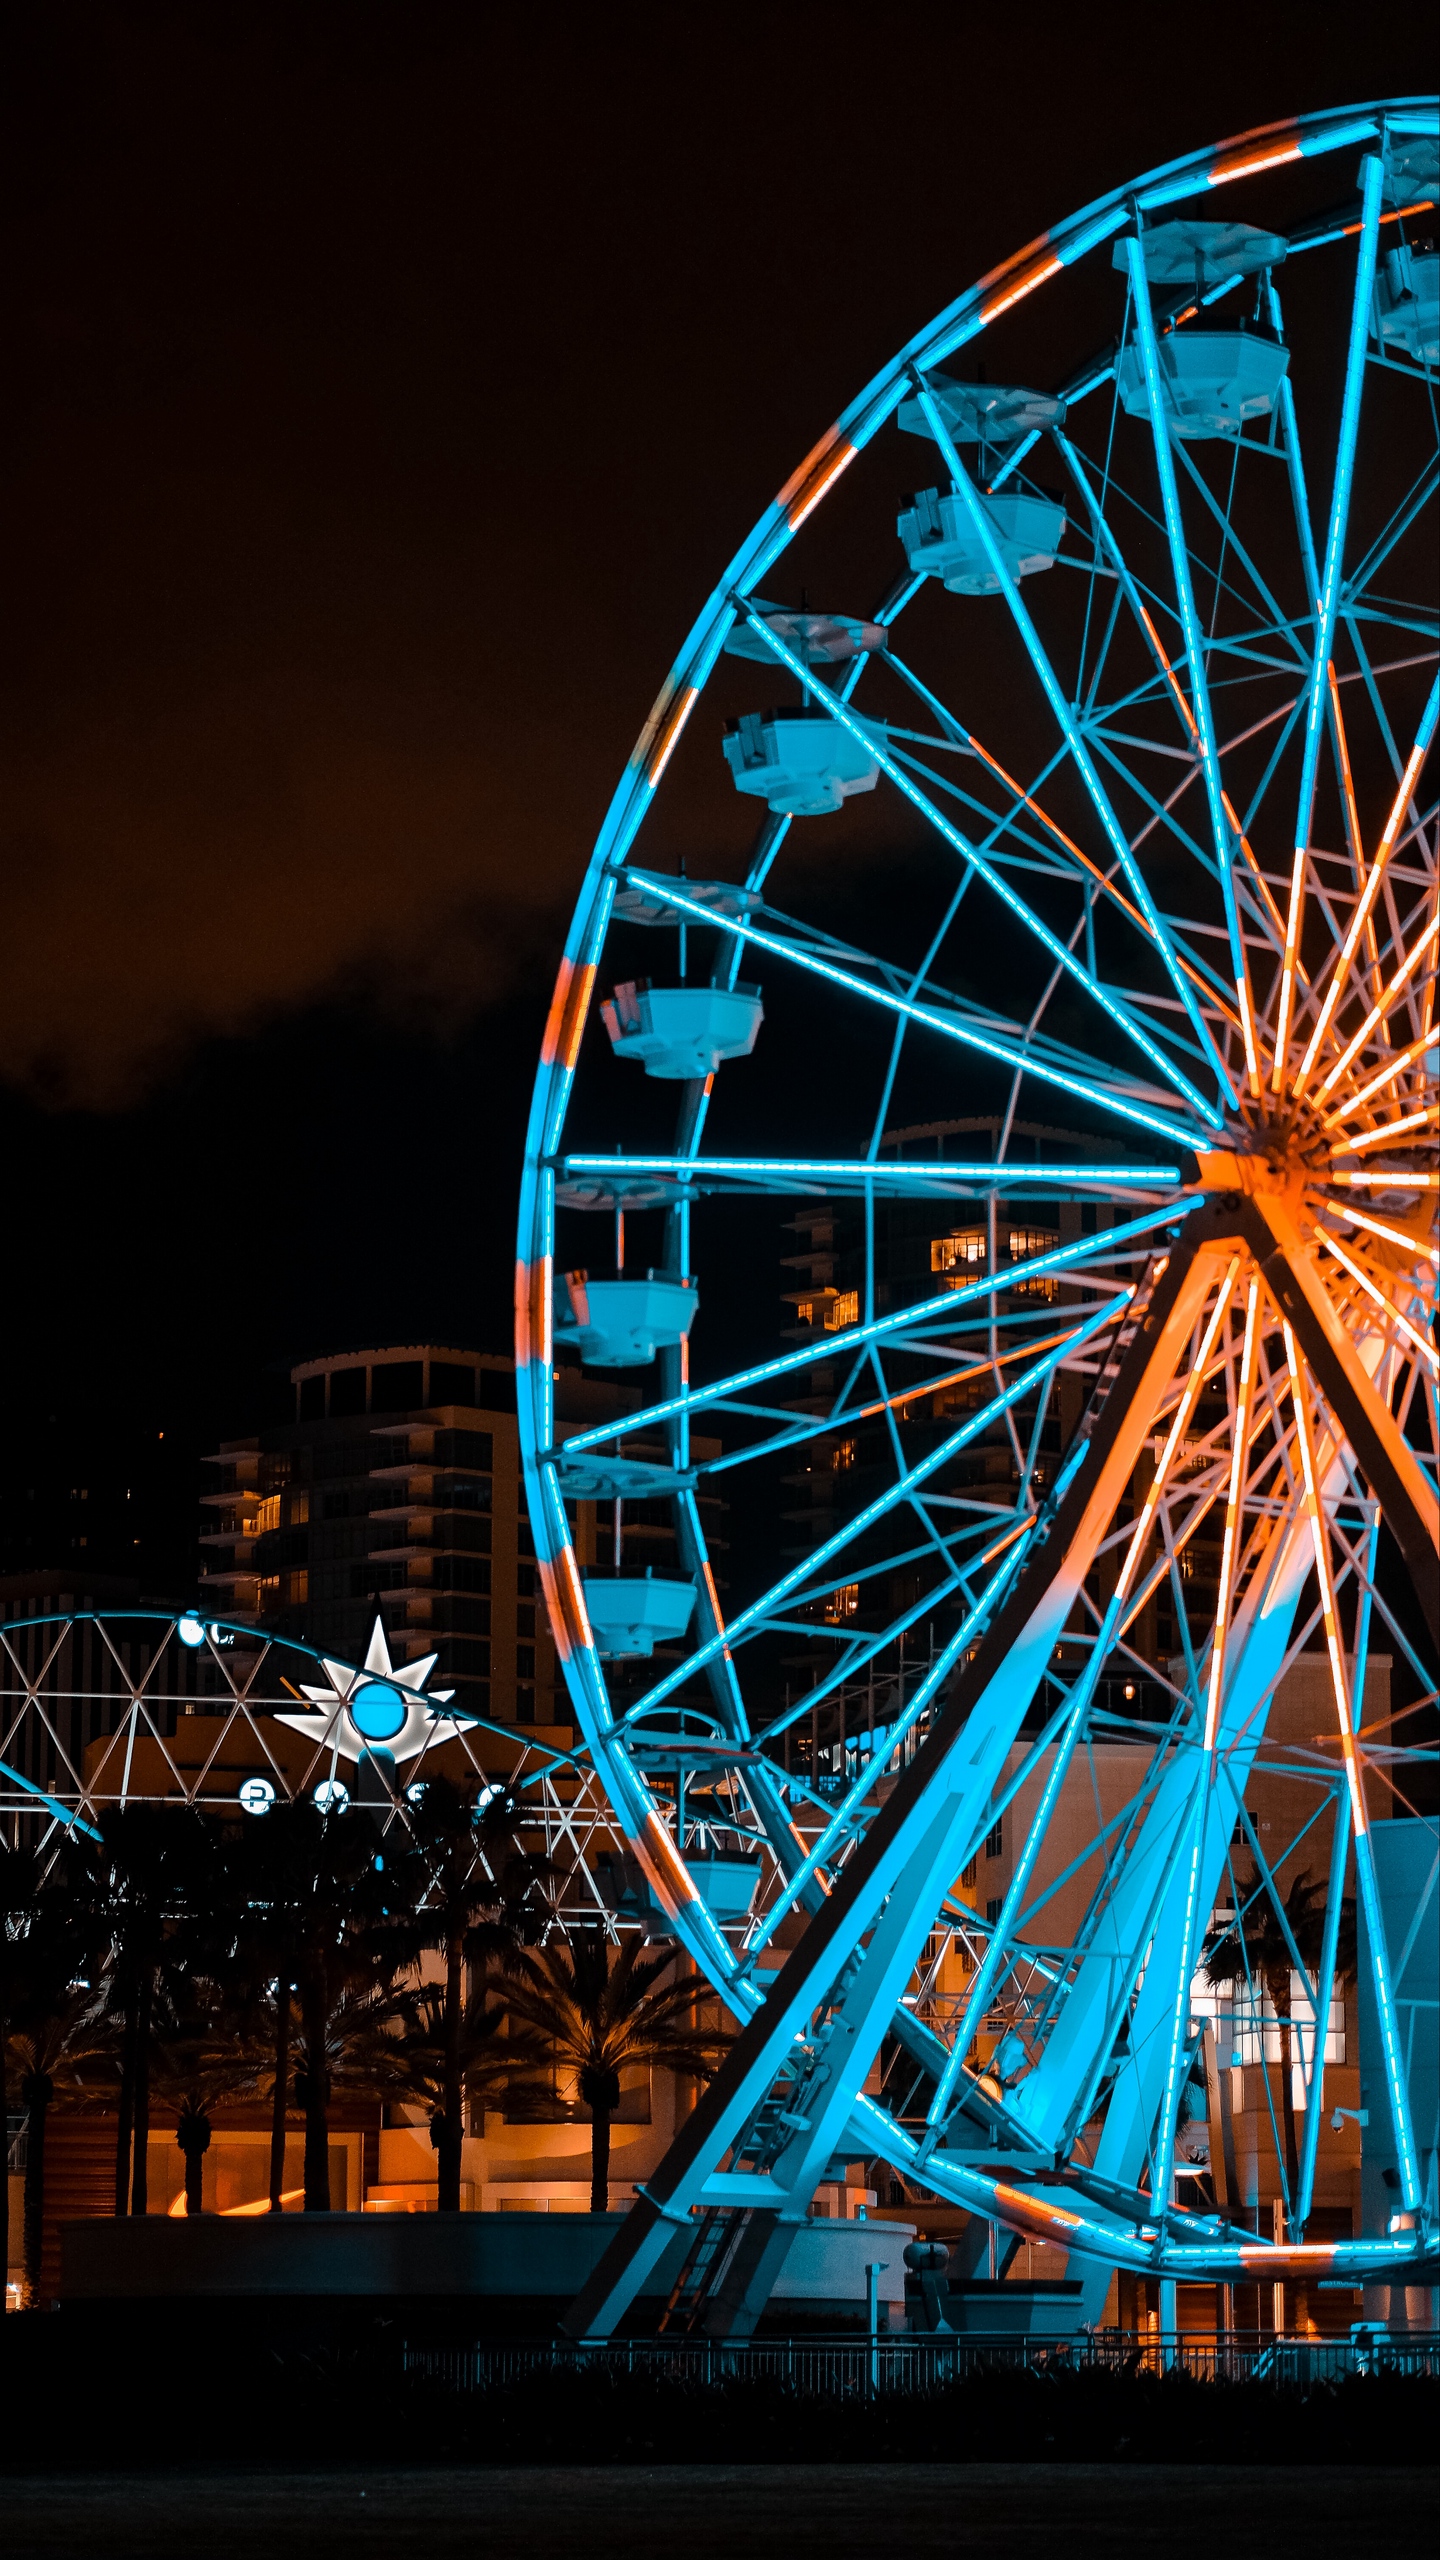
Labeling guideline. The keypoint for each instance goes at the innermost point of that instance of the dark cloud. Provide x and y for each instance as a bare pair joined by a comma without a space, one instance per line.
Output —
385,389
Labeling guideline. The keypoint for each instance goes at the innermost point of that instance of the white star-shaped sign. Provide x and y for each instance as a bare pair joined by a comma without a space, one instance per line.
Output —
379,1708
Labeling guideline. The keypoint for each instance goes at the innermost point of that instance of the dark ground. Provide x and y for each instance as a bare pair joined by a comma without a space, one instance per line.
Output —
713,2513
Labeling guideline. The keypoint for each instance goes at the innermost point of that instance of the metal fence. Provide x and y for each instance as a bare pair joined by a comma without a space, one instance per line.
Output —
850,2367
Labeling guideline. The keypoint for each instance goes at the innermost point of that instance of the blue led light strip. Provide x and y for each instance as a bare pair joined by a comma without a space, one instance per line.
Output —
841,1346
902,1177
1020,1061
1064,958
904,1485
1220,828
1080,753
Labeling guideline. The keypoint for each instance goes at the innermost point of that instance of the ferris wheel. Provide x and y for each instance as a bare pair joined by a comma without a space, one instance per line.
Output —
1070,806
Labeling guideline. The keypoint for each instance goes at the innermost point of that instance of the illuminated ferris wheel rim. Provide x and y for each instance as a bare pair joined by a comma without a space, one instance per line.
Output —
1247,1140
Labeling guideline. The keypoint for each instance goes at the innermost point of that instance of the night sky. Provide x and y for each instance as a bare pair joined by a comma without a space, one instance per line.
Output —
383,395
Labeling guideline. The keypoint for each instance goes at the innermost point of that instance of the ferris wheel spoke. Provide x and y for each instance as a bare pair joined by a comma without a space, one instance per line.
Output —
1329,599
1222,834
1025,798
1101,994
954,1024
1340,976
908,1481
1279,625
1069,726
934,1313
1416,499
821,1177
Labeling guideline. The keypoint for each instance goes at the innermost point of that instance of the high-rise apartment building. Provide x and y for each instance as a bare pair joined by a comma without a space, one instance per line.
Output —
397,1485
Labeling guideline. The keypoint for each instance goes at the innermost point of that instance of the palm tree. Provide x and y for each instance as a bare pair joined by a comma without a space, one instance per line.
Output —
56,2021
266,1864
446,2061
317,1912
480,1903
602,2009
150,1871
19,1884
201,2055
1256,1949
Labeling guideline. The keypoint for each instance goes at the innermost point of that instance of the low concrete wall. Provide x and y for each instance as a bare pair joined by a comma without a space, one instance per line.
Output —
521,2256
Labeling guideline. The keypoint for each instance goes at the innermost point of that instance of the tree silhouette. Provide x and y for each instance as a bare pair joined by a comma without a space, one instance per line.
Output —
56,2021
152,1870
602,2009
201,2054
481,1901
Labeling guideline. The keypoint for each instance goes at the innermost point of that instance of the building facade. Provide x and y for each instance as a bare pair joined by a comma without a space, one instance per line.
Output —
396,1485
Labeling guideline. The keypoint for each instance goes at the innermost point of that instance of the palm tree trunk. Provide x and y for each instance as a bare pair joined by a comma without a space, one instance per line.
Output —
140,2173
1287,2105
599,2159
282,2091
195,2177
317,2089
124,2130
452,2129
5,2104
38,2090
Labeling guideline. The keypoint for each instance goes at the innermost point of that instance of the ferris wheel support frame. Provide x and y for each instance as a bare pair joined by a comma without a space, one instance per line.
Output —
893,1883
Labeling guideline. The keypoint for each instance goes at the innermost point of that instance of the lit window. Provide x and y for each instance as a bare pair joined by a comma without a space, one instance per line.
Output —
947,1252
1025,1241
842,1457
842,1603
843,1310
266,1515
1247,2028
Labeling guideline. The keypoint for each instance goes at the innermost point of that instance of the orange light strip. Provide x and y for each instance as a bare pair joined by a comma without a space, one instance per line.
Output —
1248,164
1009,1538
951,1377
1396,1181
1401,1060
1287,966
1395,1129
1229,1547
574,985
1005,297
1347,779
1392,1235
1244,999
1196,978
817,473
1194,1388
1363,906
1372,1289
1320,1543
671,735
1398,983
1352,816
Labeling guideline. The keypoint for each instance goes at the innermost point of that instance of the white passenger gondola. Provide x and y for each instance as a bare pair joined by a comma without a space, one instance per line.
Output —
679,1032
621,1324
798,760
631,1613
